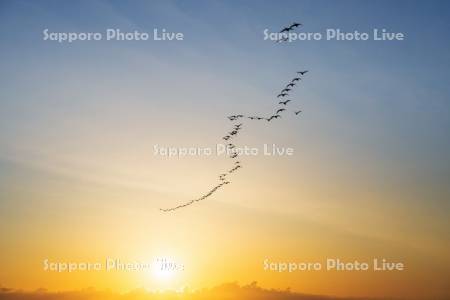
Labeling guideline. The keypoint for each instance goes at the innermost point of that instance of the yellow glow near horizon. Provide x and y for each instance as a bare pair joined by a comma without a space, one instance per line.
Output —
161,273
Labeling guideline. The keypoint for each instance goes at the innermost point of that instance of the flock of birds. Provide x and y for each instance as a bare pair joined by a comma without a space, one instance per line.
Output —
233,153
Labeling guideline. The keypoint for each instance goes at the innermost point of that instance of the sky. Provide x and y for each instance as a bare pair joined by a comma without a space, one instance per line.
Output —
369,177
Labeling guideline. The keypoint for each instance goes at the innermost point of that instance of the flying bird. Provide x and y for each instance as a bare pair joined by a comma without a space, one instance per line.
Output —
285,90
303,72
294,25
280,110
296,79
284,39
282,95
297,112
290,85
286,29
233,118
234,169
284,102
273,117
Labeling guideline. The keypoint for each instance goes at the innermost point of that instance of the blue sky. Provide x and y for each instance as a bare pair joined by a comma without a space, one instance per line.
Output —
394,91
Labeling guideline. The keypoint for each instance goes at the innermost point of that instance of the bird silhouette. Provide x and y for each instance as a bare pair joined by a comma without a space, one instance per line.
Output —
286,29
302,72
282,95
280,110
294,25
296,79
285,90
283,39
284,102
234,169
297,112
290,85
273,117
233,118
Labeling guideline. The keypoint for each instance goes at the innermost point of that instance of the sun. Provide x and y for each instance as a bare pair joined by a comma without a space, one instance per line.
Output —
161,271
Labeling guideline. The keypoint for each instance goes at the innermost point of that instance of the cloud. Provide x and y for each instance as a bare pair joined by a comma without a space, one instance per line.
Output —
222,292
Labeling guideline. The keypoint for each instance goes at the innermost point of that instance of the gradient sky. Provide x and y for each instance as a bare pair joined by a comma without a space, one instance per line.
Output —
369,177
